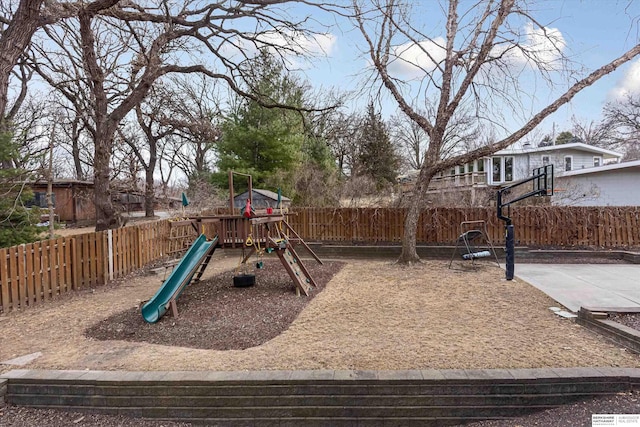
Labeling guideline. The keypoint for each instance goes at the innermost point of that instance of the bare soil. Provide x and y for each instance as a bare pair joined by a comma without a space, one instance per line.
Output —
370,315
365,315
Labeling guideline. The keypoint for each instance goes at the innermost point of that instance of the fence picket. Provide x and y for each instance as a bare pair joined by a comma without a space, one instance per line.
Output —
13,277
5,299
37,271
29,276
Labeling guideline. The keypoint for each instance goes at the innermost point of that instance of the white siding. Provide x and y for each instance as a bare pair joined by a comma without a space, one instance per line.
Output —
614,188
521,168
581,160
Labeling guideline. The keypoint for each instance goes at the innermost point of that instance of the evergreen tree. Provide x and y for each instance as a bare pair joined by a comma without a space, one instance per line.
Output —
17,223
564,138
377,157
264,142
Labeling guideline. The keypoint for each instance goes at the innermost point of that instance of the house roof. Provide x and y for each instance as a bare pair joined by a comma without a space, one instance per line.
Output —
602,169
62,182
571,146
266,193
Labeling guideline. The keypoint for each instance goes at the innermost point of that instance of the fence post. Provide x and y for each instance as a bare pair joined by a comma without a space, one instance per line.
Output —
110,252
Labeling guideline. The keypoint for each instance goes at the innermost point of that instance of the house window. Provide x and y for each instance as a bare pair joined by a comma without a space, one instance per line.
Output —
568,163
481,165
545,160
502,169
496,165
597,161
470,167
508,168
40,200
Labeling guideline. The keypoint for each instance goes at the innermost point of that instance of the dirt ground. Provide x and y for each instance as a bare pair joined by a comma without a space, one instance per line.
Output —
370,315
364,315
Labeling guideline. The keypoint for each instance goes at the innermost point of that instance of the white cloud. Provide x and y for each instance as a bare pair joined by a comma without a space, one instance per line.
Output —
316,44
539,47
629,84
413,60
288,44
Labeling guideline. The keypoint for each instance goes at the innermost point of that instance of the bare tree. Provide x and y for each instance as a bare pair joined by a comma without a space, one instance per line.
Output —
410,138
19,21
461,136
18,26
150,116
192,110
624,118
187,38
471,64
63,70
340,132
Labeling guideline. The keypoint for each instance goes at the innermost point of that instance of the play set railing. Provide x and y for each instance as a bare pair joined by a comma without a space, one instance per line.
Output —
36,272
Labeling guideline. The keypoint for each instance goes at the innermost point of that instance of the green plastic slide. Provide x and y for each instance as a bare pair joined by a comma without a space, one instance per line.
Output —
180,277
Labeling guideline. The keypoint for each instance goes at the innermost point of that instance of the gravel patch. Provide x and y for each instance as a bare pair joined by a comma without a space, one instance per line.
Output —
631,320
574,415
18,416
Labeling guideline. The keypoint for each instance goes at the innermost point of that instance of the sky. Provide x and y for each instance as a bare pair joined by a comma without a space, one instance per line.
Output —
591,33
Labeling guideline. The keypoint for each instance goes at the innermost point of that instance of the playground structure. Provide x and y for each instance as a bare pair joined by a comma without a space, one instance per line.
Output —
251,231
542,180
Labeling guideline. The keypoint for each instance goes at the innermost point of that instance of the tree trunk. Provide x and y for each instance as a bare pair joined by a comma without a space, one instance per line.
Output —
13,42
75,151
105,214
149,193
409,255
50,206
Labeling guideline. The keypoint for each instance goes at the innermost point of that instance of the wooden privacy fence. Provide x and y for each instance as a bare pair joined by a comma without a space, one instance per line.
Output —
39,271
534,225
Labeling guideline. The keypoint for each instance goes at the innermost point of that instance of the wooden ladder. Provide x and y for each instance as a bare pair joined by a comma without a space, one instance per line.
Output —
296,269
204,264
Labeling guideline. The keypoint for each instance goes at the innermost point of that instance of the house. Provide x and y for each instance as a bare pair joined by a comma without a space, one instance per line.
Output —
72,199
511,165
260,199
606,185
474,184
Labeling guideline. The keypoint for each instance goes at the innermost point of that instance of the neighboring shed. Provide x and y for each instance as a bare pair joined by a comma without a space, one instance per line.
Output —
260,199
609,185
72,199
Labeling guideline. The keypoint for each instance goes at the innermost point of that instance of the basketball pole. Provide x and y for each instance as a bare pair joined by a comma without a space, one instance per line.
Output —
542,180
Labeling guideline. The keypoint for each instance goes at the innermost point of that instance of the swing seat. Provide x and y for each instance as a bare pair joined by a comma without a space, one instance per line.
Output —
475,255
244,280
471,241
